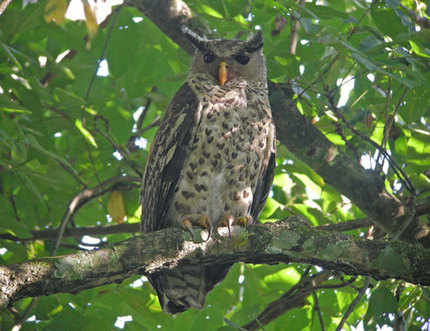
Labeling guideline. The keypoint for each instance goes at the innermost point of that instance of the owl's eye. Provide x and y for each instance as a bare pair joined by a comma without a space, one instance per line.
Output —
242,59
209,57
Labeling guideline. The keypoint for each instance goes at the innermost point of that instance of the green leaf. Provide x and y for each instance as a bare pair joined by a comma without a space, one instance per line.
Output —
381,302
325,12
210,11
421,51
87,134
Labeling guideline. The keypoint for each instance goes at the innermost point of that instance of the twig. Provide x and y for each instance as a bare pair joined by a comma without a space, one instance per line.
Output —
93,165
418,19
330,65
346,226
121,150
131,141
318,310
145,110
22,317
51,234
50,74
390,120
353,304
295,297
154,123
397,170
72,171
109,33
279,25
15,210
4,5
295,24
334,286
84,197
348,143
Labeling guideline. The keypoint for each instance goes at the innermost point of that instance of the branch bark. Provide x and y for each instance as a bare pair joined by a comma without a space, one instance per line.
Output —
79,232
364,187
287,241
168,15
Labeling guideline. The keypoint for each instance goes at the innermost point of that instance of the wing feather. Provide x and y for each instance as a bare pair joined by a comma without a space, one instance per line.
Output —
265,179
166,159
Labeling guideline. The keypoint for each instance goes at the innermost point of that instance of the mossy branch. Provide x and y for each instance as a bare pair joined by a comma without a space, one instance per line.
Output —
291,240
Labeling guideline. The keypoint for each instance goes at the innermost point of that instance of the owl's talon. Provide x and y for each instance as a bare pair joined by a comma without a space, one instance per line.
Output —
242,220
197,220
187,225
203,221
227,221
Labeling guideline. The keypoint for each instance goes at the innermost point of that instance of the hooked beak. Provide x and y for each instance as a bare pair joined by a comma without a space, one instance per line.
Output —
222,73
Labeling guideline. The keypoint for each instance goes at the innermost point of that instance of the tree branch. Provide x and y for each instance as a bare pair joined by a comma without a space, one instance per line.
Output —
364,187
288,241
295,24
295,297
168,15
3,5
353,304
87,195
78,232
417,18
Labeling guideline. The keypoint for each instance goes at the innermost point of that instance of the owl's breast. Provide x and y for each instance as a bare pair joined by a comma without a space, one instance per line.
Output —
224,160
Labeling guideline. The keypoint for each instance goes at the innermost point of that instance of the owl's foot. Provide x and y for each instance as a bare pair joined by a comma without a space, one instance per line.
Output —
228,221
242,220
198,220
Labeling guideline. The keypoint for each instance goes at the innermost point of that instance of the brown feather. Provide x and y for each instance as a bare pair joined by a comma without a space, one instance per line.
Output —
162,170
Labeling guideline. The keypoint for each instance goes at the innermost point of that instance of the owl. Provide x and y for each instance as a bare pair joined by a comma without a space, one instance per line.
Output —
212,160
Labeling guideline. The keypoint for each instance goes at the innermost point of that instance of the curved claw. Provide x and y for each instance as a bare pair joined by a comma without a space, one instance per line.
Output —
227,221
198,220
242,220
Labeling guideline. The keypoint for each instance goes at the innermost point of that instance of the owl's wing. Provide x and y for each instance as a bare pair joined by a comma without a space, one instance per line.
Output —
166,159
267,173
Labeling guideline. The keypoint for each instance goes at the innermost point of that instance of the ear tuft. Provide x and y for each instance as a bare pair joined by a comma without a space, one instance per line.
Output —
199,42
254,42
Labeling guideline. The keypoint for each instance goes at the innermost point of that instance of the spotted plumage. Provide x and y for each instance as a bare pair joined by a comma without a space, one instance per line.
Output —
212,159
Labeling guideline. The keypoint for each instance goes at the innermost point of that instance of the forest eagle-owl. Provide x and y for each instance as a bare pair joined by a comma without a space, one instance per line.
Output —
212,160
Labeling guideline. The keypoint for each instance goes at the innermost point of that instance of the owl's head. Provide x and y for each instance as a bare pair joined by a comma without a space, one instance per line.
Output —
229,60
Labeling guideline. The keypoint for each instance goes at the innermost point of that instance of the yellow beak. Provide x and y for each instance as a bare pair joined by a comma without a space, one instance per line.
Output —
222,73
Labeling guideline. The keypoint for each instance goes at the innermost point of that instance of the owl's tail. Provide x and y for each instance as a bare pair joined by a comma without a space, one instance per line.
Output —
187,287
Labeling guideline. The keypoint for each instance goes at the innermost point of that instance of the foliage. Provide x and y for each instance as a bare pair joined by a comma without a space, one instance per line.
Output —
65,126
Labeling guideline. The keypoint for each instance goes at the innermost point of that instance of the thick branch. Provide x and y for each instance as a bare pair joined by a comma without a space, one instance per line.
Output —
287,241
79,232
364,187
168,15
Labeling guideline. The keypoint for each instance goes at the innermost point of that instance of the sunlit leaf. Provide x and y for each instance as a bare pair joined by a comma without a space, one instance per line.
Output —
211,12
55,11
90,19
87,134
115,206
